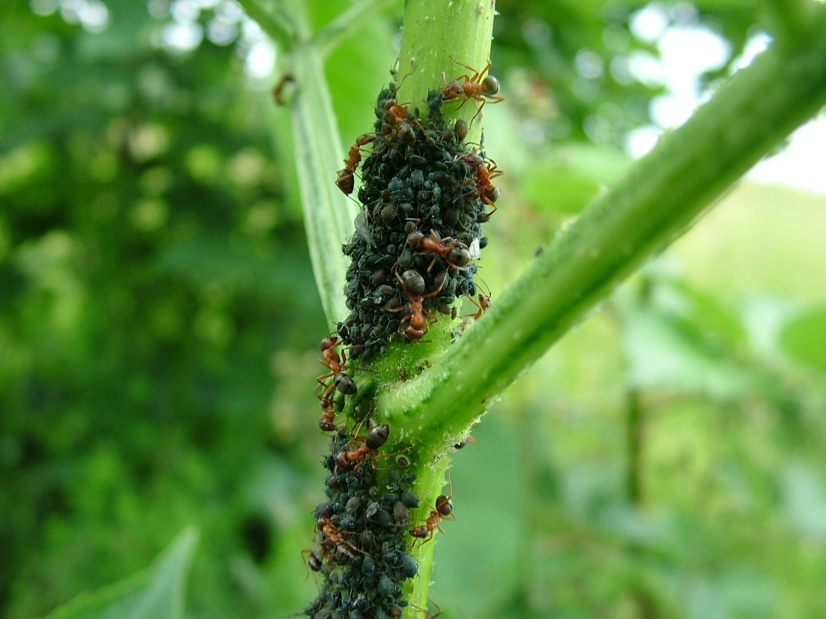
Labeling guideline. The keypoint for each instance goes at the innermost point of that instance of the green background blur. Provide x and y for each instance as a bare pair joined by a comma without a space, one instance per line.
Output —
159,326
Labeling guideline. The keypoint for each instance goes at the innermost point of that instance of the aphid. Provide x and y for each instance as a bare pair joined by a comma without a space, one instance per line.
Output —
461,129
454,252
479,86
337,364
345,181
376,437
416,320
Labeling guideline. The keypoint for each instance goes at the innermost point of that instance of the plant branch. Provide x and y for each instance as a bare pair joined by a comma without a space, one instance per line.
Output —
274,22
434,31
788,19
348,22
661,195
328,213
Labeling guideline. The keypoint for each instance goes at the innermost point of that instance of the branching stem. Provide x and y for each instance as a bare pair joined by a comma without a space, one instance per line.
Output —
661,195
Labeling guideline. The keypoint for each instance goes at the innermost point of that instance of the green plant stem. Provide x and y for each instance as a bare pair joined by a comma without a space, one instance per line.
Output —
651,206
787,19
434,31
274,22
328,213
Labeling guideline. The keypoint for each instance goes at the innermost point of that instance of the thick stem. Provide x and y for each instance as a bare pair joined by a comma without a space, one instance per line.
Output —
435,31
274,22
328,214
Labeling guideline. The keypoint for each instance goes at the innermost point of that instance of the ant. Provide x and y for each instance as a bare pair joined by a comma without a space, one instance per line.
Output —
337,364
417,318
484,174
483,304
466,440
327,420
345,176
376,437
283,91
334,536
442,511
398,114
454,252
478,86
315,558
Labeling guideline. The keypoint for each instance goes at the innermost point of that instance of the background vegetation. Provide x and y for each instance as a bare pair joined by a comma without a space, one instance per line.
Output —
159,327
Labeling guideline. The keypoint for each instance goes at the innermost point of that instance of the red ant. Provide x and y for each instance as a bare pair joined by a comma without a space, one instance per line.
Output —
483,304
328,413
315,558
478,86
442,511
484,174
345,176
454,252
280,92
465,441
398,114
334,536
417,322
376,437
337,364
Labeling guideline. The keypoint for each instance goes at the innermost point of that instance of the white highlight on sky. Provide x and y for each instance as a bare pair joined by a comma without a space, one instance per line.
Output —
260,59
686,52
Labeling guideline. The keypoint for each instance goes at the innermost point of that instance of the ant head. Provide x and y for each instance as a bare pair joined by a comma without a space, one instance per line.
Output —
331,341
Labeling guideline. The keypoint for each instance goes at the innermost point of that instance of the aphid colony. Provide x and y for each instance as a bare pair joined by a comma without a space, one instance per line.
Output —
424,196
360,546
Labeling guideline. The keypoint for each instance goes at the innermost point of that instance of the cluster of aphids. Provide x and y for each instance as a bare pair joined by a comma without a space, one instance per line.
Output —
424,195
360,545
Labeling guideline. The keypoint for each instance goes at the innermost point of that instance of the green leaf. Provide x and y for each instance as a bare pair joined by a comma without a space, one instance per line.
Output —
804,501
804,338
156,593
569,179
665,352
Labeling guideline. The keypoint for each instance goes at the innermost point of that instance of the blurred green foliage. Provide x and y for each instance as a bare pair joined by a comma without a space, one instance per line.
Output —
159,328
